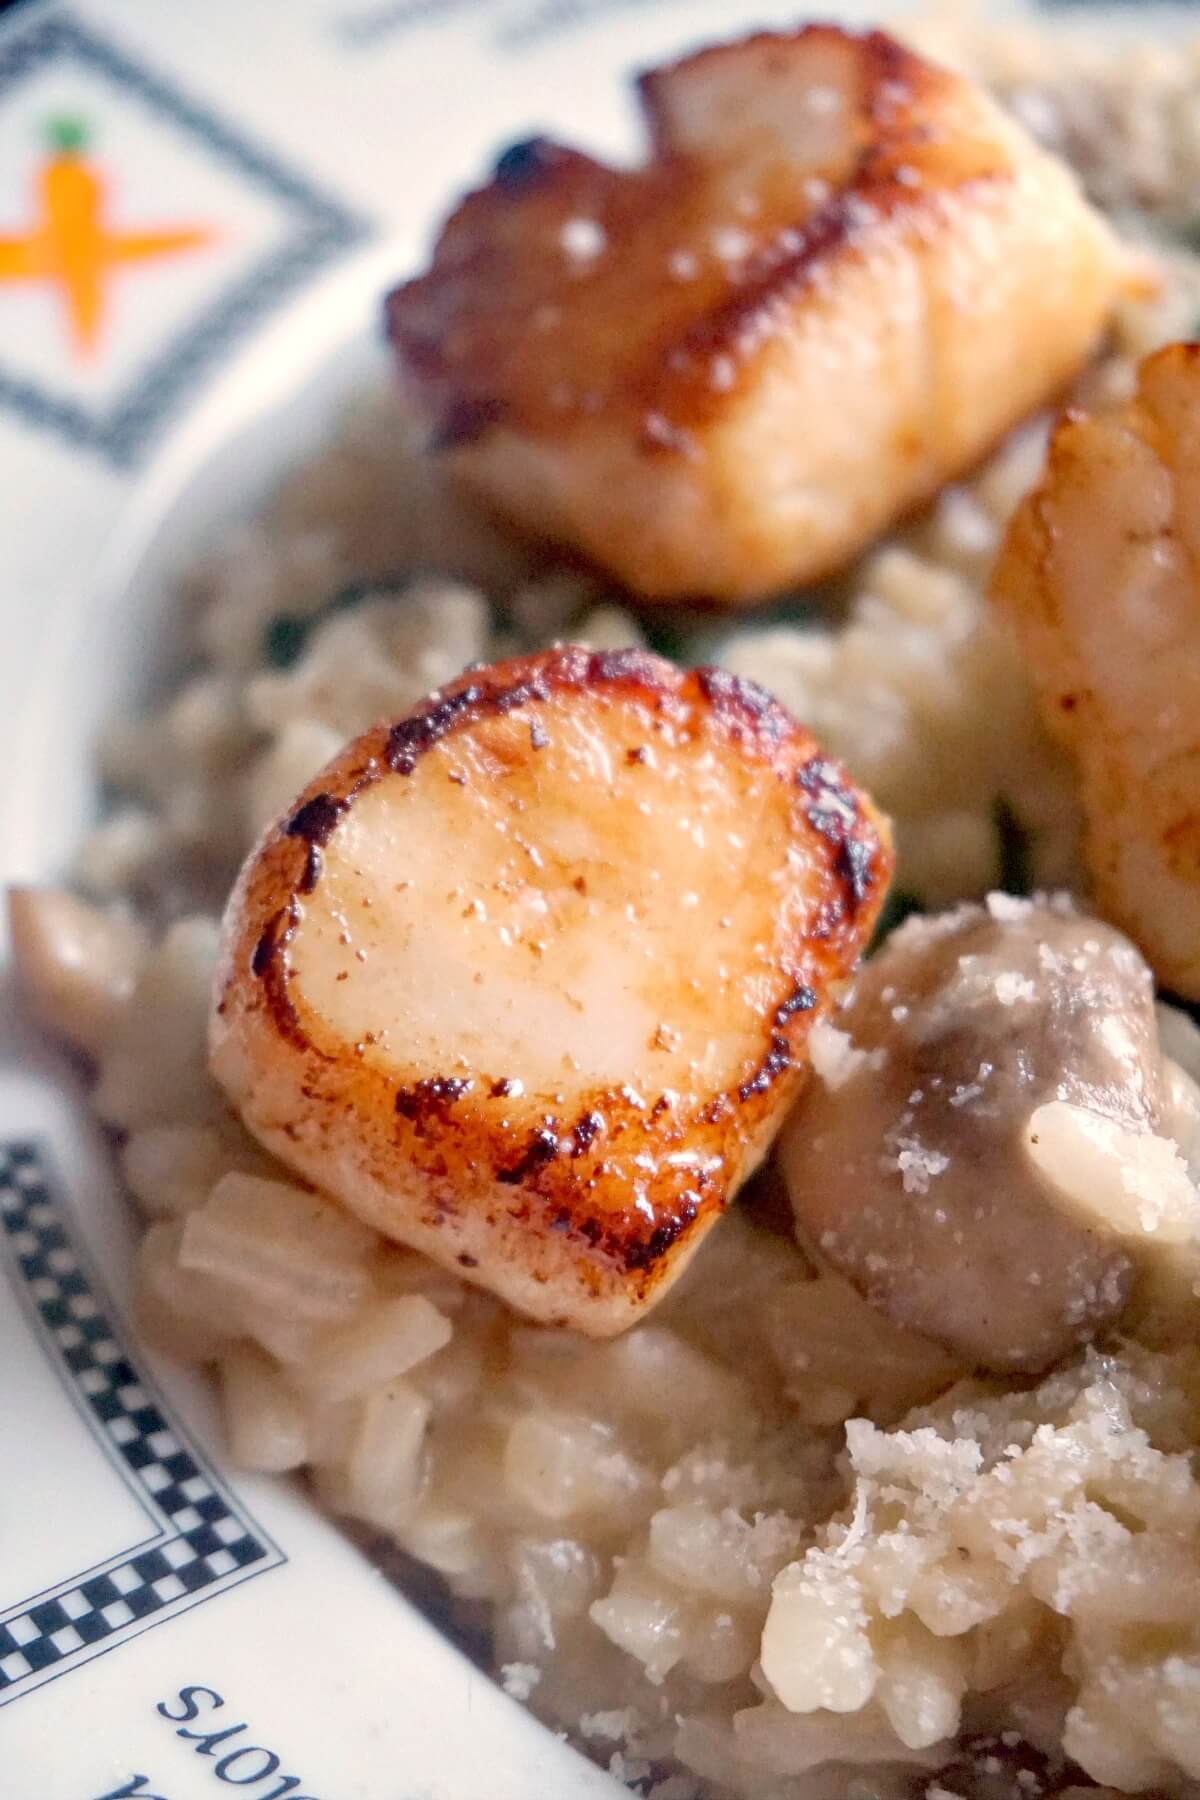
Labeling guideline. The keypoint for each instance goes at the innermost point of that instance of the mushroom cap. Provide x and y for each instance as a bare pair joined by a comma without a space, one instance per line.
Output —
912,1163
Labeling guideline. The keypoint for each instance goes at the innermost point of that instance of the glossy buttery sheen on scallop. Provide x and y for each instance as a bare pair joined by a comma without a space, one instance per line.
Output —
526,978
1099,576
841,275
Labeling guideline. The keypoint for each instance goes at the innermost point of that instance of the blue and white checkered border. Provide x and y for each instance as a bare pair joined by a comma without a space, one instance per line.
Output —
200,1540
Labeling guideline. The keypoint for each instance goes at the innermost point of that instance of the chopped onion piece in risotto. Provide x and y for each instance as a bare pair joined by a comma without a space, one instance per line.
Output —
1099,575
76,964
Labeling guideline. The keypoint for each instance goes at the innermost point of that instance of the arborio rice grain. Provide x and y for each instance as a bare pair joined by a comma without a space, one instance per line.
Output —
765,1544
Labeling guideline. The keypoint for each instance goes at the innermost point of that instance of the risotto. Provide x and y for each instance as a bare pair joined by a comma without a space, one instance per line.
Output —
767,1544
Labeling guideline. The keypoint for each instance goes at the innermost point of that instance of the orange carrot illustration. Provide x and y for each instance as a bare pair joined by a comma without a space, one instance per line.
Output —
71,245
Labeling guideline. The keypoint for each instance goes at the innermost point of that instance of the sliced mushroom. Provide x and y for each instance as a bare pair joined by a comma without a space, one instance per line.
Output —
983,1151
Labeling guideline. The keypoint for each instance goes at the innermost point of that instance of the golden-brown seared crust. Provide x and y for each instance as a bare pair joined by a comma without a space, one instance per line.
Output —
841,275
1098,576
469,328
594,1200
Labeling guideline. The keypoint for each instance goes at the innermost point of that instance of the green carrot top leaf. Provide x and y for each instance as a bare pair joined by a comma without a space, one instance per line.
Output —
67,133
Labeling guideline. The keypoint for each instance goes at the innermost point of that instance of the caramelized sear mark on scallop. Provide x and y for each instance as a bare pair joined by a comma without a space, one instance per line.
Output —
534,1001
1100,574
982,1151
840,276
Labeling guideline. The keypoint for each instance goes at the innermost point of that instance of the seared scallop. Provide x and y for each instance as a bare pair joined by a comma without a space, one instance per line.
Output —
842,274
1100,575
526,979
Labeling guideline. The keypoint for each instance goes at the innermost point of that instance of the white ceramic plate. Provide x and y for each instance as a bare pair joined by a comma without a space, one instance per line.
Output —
164,1630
